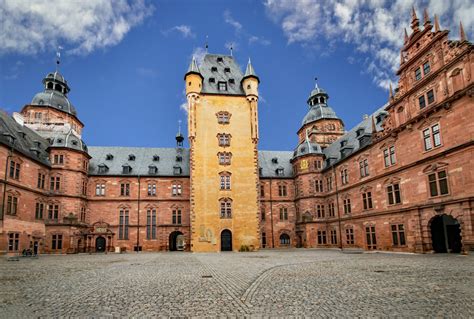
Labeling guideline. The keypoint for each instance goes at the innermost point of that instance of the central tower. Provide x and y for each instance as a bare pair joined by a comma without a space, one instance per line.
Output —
223,137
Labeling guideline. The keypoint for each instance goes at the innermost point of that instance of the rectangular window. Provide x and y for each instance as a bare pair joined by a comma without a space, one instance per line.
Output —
58,159
123,224
398,235
371,238
176,190
364,168
320,211
389,156
57,242
430,96
12,205
125,189
151,189
333,237
222,86
426,68
262,190
393,193
367,200
418,74
317,165
283,213
151,224
322,237
14,170
432,137
41,180
99,189
318,186
224,158
13,241
225,182
39,210
264,240
55,183
422,101
344,177
347,206
53,211
329,183
83,214
176,217
224,139
282,190
226,209
350,236
436,135
331,209
438,183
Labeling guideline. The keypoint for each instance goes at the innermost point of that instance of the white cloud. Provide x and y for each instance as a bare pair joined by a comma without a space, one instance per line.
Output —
83,26
185,31
198,54
230,20
374,27
184,107
258,40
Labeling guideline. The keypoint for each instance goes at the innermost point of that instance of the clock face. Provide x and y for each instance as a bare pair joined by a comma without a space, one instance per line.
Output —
304,164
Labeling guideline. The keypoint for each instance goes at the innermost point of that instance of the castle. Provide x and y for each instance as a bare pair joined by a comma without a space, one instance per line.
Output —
401,180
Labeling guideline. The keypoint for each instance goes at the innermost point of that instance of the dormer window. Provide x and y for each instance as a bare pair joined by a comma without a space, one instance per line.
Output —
156,158
360,131
103,168
177,170
226,69
37,143
222,86
74,143
126,169
343,143
212,80
109,157
275,160
22,134
214,69
231,81
131,157
220,59
179,158
152,170
280,171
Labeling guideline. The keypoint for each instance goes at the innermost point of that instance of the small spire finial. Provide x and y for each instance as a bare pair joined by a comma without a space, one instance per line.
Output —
316,83
426,18
58,56
415,25
406,36
231,49
390,91
207,43
179,136
179,127
374,127
462,34
437,28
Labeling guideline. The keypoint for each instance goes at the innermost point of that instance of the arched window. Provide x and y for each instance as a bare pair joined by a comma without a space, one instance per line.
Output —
50,85
284,239
57,87
226,207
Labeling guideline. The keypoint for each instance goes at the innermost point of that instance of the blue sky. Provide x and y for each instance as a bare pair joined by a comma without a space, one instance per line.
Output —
125,60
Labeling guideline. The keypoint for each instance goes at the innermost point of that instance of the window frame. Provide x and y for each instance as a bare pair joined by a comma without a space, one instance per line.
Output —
392,190
398,235
437,183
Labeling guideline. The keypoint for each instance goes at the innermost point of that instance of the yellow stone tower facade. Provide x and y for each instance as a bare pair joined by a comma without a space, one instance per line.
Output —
223,137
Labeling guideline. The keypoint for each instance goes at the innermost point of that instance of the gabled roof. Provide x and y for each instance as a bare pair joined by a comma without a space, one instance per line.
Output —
268,166
221,63
143,159
352,142
27,142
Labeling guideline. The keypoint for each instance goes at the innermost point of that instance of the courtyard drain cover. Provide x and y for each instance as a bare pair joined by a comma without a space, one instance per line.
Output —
206,276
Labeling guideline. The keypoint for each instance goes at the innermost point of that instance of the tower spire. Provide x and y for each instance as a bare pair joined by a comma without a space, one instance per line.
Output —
462,34
179,136
426,19
437,28
415,23
316,83
58,56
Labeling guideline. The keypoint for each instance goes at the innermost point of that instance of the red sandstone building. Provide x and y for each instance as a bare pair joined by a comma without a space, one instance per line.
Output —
401,180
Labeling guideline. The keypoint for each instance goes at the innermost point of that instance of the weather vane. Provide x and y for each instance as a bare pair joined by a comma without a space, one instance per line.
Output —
207,45
58,56
316,82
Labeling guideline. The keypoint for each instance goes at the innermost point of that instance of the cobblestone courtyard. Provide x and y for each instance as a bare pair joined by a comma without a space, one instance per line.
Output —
267,283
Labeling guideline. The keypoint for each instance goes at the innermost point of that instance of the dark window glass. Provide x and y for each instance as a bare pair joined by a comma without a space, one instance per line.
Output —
430,96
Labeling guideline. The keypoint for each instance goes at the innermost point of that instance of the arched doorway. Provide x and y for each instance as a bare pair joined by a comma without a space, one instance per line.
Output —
445,234
176,241
100,244
226,240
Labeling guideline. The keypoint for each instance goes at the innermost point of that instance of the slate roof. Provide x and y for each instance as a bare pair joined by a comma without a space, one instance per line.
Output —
27,142
61,139
317,112
220,75
351,138
143,159
54,99
268,167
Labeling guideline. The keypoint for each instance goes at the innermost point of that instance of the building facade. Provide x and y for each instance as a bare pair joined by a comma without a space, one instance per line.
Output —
400,180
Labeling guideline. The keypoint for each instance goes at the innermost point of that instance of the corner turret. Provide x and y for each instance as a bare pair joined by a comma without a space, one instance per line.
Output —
250,81
193,78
